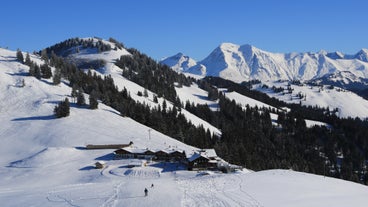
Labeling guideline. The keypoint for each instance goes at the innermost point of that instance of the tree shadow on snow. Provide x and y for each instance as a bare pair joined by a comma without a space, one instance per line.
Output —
201,97
19,74
112,111
35,118
106,157
87,168
169,167
80,148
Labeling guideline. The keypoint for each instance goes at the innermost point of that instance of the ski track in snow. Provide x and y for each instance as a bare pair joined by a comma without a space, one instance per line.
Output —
216,190
112,201
68,195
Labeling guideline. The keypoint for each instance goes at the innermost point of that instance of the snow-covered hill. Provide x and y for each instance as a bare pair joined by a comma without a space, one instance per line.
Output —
110,69
43,162
246,62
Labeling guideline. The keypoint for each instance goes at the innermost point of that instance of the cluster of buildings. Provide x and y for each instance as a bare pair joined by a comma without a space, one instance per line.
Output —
202,159
195,160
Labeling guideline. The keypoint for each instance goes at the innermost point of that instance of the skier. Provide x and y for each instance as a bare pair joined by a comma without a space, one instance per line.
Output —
152,185
145,192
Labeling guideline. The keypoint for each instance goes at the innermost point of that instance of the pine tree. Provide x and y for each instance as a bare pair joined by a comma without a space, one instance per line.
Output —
56,78
32,71
62,109
20,57
44,55
155,99
37,71
81,101
93,103
164,106
28,60
46,71
74,93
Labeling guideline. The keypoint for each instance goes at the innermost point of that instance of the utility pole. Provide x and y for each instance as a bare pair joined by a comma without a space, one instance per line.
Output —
149,134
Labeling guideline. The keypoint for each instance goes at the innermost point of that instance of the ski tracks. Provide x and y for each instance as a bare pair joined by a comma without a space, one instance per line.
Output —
113,199
217,190
242,197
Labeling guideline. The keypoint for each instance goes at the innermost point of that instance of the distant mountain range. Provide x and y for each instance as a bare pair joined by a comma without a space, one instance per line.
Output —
245,62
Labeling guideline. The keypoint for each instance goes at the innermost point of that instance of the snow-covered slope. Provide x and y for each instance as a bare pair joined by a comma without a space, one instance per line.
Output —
246,62
28,124
195,95
348,104
43,162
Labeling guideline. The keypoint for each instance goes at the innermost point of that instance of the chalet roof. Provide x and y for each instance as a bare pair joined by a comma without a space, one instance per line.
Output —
210,153
205,153
134,150
196,156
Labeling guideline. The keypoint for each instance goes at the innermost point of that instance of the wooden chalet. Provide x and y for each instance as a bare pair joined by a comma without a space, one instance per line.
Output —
205,159
177,155
159,155
131,153
162,155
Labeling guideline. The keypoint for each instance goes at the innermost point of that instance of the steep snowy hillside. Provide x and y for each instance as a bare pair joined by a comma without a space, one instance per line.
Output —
108,68
29,125
246,62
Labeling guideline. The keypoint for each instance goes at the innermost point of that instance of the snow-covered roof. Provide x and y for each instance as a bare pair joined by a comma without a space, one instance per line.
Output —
134,150
210,153
196,156
206,153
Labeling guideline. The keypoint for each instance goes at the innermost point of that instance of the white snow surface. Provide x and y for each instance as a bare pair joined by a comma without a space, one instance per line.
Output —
244,100
348,104
195,95
43,162
245,62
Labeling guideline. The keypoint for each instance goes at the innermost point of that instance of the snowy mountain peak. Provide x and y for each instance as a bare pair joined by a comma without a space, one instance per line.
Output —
362,55
246,62
179,62
228,46
335,55
179,55
323,52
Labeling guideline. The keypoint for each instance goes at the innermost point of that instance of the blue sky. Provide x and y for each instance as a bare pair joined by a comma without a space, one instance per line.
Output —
162,28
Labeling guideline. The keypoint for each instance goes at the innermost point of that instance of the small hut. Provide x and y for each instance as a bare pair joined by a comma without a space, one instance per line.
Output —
100,164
